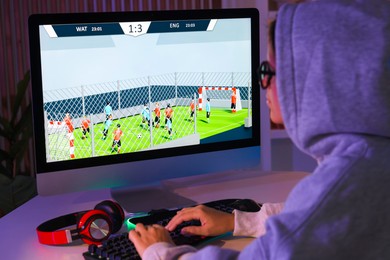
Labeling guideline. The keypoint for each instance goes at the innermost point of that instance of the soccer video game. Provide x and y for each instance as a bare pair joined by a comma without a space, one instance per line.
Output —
126,87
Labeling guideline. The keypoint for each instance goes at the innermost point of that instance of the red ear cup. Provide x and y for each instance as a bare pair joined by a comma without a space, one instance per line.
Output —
114,211
95,226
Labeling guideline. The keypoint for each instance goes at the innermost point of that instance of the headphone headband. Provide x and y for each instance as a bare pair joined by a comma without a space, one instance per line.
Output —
49,233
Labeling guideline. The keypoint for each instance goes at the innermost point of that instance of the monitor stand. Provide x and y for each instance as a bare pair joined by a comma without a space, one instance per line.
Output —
144,199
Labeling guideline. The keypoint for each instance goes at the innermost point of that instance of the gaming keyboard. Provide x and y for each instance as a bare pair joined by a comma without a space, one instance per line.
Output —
119,247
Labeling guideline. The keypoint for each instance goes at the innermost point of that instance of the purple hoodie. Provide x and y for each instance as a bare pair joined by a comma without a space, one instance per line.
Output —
333,79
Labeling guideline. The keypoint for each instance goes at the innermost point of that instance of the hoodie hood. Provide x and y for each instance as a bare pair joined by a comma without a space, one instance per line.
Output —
333,78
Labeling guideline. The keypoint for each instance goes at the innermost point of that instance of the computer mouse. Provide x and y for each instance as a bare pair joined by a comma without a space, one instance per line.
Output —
247,205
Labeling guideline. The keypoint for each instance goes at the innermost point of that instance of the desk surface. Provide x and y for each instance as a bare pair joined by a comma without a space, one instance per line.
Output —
19,239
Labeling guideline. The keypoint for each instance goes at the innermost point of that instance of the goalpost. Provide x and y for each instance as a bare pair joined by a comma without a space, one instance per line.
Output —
59,141
220,96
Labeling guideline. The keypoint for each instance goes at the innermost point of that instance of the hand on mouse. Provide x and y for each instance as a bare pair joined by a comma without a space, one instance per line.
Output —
213,222
144,236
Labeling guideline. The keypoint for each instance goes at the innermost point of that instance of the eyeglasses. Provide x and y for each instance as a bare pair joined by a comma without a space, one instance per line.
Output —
265,74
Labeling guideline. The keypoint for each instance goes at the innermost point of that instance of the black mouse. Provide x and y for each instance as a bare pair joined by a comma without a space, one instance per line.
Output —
247,205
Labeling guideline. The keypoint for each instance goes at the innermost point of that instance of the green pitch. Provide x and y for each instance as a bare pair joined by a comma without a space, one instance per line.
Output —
136,136
221,120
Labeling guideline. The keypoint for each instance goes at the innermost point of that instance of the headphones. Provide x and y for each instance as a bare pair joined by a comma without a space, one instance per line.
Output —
93,226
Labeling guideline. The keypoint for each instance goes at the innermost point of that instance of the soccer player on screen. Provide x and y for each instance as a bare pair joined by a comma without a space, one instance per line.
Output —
157,112
69,135
208,110
192,110
169,128
108,110
85,126
145,113
234,100
168,115
117,139
107,125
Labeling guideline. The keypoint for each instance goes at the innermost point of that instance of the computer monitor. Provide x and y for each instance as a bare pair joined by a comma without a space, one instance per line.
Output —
126,100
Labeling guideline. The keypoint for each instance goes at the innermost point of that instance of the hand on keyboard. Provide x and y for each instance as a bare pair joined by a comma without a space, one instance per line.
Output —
144,236
209,220
212,222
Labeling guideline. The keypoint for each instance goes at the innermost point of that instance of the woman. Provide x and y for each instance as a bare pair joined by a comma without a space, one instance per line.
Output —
328,82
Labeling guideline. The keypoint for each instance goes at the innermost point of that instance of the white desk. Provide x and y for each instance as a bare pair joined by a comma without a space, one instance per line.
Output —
17,229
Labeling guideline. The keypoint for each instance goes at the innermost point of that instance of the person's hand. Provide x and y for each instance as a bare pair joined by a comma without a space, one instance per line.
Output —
213,222
145,236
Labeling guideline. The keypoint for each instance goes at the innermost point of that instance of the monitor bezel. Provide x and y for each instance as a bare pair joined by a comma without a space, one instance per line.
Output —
42,166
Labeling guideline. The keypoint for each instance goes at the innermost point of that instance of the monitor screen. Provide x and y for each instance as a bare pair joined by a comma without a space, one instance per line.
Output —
133,98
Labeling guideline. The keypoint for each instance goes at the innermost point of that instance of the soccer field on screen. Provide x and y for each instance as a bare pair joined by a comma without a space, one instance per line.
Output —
136,136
